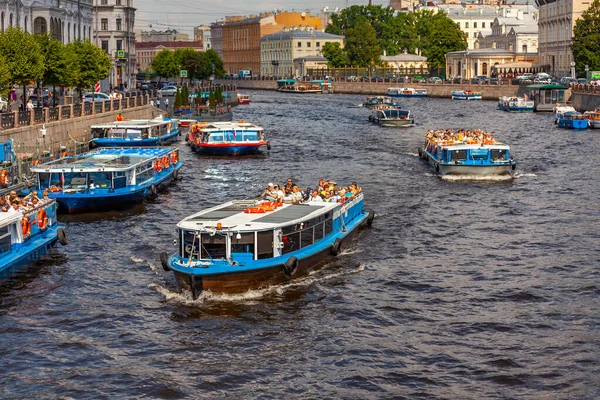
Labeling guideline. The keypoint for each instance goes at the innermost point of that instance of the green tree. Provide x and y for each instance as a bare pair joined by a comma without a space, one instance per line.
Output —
191,61
60,66
219,95
335,55
586,39
362,46
22,57
212,63
438,35
212,101
91,64
165,64
185,96
177,103
4,78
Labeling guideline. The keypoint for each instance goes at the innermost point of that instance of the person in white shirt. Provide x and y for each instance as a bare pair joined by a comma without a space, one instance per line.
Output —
316,198
279,193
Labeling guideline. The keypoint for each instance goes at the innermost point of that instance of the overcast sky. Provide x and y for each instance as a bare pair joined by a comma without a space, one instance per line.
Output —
183,15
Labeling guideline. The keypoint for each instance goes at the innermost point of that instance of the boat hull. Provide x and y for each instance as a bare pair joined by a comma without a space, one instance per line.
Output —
118,142
517,109
465,97
401,123
496,169
573,124
260,278
101,200
594,124
225,149
24,254
407,95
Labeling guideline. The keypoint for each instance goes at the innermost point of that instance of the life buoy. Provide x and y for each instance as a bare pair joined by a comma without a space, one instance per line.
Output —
254,210
157,166
42,219
335,247
176,175
55,189
25,226
290,267
420,153
62,236
164,261
153,190
370,218
4,178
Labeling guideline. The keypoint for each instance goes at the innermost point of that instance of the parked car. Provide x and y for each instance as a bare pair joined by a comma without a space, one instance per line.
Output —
542,80
376,79
44,101
435,79
582,81
94,97
148,85
168,91
390,78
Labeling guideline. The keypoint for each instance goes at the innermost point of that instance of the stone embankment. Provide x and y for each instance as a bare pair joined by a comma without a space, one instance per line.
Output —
489,92
586,97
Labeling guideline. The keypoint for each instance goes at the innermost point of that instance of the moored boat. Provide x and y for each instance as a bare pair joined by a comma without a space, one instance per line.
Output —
243,98
248,244
472,153
314,86
593,118
465,95
572,120
380,102
143,132
27,236
516,104
392,117
106,177
406,92
227,138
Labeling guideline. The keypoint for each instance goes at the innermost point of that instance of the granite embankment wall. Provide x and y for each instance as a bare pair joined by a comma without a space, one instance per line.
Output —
585,101
489,92
69,131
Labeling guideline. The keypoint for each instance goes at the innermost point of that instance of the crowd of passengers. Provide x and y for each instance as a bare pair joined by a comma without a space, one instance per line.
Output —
461,135
325,191
12,203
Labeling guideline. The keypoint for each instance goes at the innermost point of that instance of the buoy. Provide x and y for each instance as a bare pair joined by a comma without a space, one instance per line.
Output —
62,236
290,266
335,247
370,218
153,190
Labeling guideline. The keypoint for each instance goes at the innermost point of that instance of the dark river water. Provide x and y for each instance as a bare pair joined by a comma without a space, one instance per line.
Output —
461,290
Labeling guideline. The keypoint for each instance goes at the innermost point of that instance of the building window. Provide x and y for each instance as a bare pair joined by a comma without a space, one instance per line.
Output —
299,44
524,48
118,24
118,2
105,46
466,25
318,44
474,24
103,24
119,45
103,2
307,44
483,25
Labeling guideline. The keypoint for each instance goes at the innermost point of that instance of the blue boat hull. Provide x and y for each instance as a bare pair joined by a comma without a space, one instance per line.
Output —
103,200
226,150
573,123
408,95
118,142
24,254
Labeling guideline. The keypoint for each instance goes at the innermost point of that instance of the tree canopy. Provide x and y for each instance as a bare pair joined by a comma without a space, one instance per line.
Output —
91,63
432,34
22,56
586,39
199,65
4,77
336,56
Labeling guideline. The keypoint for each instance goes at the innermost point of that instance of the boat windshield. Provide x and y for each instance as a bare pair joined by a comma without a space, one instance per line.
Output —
396,114
233,136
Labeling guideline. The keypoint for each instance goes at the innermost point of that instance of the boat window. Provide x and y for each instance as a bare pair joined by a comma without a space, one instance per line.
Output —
328,226
319,231
5,241
190,245
458,155
133,133
98,133
101,180
245,244
479,154
265,244
499,154
306,237
43,180
291,242
144,172
116,133
215,137
213,246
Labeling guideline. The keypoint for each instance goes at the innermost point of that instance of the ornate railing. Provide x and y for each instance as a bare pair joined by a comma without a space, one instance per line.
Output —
53,114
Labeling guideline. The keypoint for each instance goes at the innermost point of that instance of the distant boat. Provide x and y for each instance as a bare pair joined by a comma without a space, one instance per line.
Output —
406,92
227,138
466,95
379,101
141,132
515,104
572,120
243,98
392,118
593,118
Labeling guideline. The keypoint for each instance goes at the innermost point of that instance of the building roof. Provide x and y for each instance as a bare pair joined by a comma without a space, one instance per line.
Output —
483,52
525,28
296,34
512,21
404,58
179,45
457,11
310,58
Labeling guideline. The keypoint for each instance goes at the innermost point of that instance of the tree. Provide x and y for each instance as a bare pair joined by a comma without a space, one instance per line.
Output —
22,57
177,103
438,35
60,67
165,64
362,46
212,64
191,61
586,39
335,55
185,95
4,78
91,64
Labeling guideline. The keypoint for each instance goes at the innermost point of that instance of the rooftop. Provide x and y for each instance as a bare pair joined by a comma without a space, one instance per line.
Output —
404,58
297,34
179,44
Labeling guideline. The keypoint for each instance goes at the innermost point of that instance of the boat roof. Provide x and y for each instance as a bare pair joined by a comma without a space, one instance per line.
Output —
233,218
134,123
109,159
7,218
230,126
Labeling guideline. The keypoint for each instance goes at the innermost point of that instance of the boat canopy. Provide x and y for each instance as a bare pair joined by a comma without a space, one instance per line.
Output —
549,86
396,114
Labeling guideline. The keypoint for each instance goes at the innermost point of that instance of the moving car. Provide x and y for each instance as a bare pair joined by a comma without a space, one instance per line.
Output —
168,91
93,97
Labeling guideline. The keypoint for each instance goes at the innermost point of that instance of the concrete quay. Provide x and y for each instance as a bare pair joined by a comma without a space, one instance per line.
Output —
585,101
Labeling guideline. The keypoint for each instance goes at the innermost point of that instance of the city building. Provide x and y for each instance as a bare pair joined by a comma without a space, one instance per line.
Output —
66,20
518,33
556,22
170,35
490,62
407,64
237,39
146,51
280,50
404,5
202,34
114,33
302,65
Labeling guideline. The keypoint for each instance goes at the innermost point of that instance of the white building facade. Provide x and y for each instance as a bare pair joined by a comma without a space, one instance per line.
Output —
114,33
65,20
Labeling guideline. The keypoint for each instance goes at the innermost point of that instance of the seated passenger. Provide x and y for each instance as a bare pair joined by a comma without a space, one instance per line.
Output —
45,196
287,197
296,195
4,205
279,193
269,193
316,197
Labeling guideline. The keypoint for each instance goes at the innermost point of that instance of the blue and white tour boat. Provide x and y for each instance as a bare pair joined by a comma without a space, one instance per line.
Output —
380,101
472,153
28,235
249,244
392,117
572,120
143,132
103,178
465,95
227,138
406,92
516,104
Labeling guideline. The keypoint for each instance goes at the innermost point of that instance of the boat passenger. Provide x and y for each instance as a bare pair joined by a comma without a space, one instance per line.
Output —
45,196
289,184
316,198
296,194
14,208
279,193
120,117
12,197
4,206
288,198
269,193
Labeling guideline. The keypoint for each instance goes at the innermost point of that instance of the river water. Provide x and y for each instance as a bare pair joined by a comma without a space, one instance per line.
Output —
461,290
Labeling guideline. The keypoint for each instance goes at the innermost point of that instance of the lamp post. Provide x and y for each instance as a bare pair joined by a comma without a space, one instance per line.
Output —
587,69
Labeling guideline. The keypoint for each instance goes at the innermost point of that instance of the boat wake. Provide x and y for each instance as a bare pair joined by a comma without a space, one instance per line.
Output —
524,176
153,267
412,154
185,297
484,178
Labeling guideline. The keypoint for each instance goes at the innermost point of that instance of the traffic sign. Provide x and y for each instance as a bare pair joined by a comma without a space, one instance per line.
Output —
97,87
183,73
120,53
212,77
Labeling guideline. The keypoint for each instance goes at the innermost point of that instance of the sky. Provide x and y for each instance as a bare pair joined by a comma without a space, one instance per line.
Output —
184,15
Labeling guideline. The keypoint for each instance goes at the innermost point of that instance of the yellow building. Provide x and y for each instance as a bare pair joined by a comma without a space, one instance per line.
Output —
556,22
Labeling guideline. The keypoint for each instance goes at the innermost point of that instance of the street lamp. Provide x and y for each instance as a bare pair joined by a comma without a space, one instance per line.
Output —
587,68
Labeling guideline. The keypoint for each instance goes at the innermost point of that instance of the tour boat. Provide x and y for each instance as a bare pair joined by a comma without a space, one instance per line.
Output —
593,118
227,138
515,104
103,178
392,118
143,132
468,157
27,237
249,244
243,98
572,120
314,86
466,95
406,92
378,101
